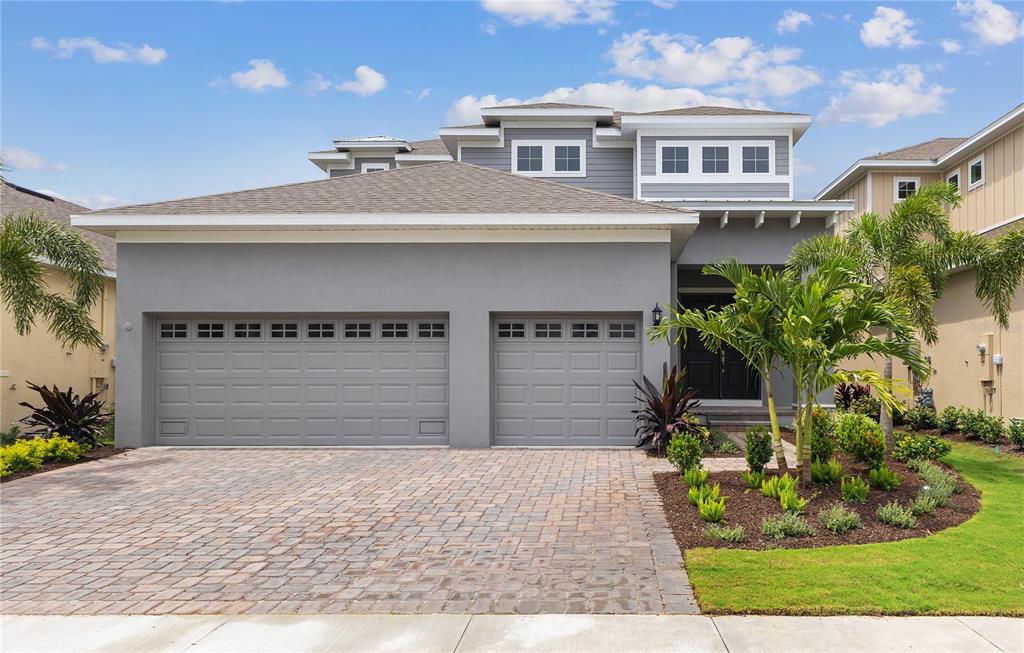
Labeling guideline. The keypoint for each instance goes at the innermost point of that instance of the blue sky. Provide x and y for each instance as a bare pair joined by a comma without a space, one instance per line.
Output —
110,103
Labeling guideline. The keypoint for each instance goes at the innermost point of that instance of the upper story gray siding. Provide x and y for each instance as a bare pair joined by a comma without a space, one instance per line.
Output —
609,169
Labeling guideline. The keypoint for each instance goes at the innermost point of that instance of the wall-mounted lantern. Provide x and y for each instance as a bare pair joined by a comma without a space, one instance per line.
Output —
656,313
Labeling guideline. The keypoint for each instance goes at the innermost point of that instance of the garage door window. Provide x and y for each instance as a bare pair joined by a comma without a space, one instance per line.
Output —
210,330
622,330
247,330
430,330
358,330
547,330
394,330
284,330
320,330
174,331
586,330
511,329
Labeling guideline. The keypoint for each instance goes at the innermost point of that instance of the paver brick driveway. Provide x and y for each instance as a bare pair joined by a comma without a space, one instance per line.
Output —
341,530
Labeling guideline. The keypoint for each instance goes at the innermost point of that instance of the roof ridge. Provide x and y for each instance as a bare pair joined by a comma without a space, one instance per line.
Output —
919,144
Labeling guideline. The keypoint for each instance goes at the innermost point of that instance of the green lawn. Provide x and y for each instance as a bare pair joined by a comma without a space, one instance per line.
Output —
974,568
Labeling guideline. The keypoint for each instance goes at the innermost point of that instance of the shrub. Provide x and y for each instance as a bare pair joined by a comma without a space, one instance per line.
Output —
716,442
922,417
11,436
81,419
734,534
664,412
927,447
685,451
846,393
896,515
695,477
854,488
823,437
61,449
774,486
938,484
788,524
826,473
839,519
949,419
924,504
712,510
759,447
971,423
1016,432
882,478
753,480
861,437
867,406
791,502
20,456
728,447
699,493
991,430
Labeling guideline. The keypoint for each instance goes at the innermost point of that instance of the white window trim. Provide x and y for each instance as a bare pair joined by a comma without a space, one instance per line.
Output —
959,179
981,182
548,158
696,157
896,186
374,167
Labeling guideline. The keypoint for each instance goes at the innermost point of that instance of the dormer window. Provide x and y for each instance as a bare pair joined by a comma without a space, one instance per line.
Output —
549,158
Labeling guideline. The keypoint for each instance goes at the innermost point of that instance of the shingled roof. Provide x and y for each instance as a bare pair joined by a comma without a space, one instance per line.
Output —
926,151
446,187
434,146
15,199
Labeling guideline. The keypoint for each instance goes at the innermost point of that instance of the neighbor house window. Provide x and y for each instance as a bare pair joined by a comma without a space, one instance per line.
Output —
430,329
208,330
715,160
585,329
547,330
954,178
675,160
755,159
904,187
567,158
530,158
358,330
511,329
247,330
284,330
320,330
394,330
174,330
976,173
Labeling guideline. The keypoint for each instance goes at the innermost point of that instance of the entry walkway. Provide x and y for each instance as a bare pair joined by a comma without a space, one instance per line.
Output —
450,633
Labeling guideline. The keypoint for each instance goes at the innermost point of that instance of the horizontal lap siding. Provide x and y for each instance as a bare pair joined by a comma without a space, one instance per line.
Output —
714,191
609,169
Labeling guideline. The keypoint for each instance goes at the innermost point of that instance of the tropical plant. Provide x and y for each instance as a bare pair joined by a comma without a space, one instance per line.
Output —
788,524
698,493
882,478
791,502
685,452
920,418
854,488
949,419
26,242
695,477
867,406
861,437
663,412
823,443
80,418
773,487
847,393
711,510
758,442
753,480
905,257
927,447
826,473
733,534
896,515
1016,432
839,519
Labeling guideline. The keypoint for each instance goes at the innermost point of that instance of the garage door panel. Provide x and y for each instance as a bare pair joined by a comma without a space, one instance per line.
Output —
548,394
297,388
585,395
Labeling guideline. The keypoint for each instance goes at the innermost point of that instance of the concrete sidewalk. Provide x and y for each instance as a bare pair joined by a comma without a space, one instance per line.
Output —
450,633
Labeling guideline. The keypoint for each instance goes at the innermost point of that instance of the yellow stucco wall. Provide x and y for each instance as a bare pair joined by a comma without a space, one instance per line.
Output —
38,358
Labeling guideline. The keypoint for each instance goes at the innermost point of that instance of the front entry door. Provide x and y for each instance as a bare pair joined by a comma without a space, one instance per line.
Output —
724,375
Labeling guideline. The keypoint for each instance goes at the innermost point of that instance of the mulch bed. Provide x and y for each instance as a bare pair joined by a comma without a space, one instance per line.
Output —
748,507
95,454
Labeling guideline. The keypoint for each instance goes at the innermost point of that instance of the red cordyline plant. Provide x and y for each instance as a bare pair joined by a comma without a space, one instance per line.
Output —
663,412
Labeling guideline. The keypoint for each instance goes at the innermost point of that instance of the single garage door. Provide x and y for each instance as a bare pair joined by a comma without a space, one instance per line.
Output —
282,380
565,380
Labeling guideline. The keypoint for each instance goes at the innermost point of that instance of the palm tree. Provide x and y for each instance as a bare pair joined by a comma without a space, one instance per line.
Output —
749,325
27,241
906,256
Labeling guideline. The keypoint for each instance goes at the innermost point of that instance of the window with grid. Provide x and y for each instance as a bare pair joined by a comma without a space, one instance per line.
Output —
547,330
567,158
210,330
586,330
174,330
675,160
247,329
394,330
715,160
284,330
358,330
511,329
529,158
622,330
320,330
905,188
755,159
430,329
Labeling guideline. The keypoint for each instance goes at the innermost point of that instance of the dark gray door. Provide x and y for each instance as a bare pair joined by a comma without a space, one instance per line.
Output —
565,380
721,375
282,380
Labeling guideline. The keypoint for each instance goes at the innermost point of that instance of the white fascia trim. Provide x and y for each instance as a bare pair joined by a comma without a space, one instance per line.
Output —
776,121
110,274
412,158
389,146
1010,116
498,113
474,132
865,164
1001,223
329,156
761,205
656,235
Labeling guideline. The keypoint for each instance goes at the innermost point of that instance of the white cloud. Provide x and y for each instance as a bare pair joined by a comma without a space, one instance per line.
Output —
618,94
791,21
991,22
18,158
898,93
262,74
489,27
551,13
949,46
420,95
367,82
101,53
96,201
737,65
317,83
664,4
889,27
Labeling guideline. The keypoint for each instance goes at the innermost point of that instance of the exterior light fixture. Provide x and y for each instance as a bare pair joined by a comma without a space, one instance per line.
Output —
656,313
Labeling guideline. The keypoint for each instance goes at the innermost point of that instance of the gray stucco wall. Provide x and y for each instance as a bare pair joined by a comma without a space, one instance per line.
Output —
609,169
359,161
469,282
769,245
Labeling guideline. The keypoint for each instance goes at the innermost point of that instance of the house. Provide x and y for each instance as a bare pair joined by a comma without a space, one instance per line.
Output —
975,363
490,287
37,357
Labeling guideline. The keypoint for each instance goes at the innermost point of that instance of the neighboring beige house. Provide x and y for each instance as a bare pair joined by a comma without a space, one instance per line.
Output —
37,357
975,363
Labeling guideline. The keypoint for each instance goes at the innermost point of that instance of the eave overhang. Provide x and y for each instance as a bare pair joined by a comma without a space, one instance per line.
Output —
798,124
